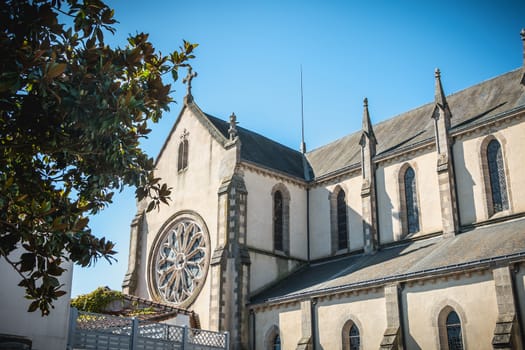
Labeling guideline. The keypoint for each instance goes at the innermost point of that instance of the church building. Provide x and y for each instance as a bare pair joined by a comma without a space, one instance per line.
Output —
406,234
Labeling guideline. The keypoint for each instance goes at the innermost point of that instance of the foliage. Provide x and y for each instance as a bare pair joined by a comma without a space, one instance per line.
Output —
72,112
140,312
96,301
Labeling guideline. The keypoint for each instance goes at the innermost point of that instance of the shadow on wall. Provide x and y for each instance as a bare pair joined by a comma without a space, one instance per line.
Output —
464,186
432,308
385,209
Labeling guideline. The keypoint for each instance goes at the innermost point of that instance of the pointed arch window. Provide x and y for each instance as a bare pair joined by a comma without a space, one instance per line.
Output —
278,220
339,221
412,209
276,344
182,161
450,323
281,220
453,328
342,221
498,185
351,336
354,338
272,339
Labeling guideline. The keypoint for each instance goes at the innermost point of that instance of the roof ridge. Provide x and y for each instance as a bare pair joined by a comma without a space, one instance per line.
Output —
406,113
252,132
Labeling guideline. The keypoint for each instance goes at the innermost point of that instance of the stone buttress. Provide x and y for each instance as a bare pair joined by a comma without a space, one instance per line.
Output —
445,161
368,190
230,270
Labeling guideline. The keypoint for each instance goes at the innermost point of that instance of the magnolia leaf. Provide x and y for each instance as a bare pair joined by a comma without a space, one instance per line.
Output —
151,206
55,69
33,306
77,110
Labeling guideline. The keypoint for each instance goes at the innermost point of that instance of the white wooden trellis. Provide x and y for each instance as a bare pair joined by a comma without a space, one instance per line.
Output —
90,331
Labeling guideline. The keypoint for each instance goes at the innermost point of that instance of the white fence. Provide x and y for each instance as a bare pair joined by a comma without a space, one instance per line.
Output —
89,331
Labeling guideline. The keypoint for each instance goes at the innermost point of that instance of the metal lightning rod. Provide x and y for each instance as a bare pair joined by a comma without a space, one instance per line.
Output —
303,145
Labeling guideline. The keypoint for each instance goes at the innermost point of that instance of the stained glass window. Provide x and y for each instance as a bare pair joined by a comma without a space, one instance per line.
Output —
453,324
412,210
498,185
355,340
342,221
278,221
276,343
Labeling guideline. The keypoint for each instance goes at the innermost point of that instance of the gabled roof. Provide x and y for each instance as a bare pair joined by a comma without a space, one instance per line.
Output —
469,107
476,248
255,148
260,150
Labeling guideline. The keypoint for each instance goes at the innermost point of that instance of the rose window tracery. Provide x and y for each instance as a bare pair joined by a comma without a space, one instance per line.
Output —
181,261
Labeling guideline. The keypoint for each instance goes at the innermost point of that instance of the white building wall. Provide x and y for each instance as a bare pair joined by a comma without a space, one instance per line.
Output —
320,225
194,189
352,188
287,320
319,222
473,298
387,218
470,174
389,198
469,181
265,267
515,164
260,213
367,310
49,332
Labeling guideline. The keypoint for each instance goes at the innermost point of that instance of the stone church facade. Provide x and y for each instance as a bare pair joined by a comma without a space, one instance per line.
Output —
409,233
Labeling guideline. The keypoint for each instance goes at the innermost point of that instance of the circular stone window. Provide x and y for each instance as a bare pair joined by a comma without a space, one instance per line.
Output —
179,260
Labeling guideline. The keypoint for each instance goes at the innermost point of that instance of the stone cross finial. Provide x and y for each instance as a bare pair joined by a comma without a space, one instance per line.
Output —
188,79
233,126
367,129
439,95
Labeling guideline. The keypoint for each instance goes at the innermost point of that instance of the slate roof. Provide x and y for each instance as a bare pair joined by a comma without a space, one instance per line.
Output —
483,245
469,107
260,150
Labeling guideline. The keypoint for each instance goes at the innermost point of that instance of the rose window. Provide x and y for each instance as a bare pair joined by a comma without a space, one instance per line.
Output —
181,262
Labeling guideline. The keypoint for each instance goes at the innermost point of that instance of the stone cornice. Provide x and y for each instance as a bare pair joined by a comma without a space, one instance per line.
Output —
274,254
262,170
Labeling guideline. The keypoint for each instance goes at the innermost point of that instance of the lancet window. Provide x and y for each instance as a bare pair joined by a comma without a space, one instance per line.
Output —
496,172
453,327
342,221
411,205
281,219
182,160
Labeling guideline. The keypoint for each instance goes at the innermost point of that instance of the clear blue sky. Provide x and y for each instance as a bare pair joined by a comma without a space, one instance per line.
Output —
249,59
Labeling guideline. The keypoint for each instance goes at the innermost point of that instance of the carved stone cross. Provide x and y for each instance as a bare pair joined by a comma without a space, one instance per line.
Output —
188,79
